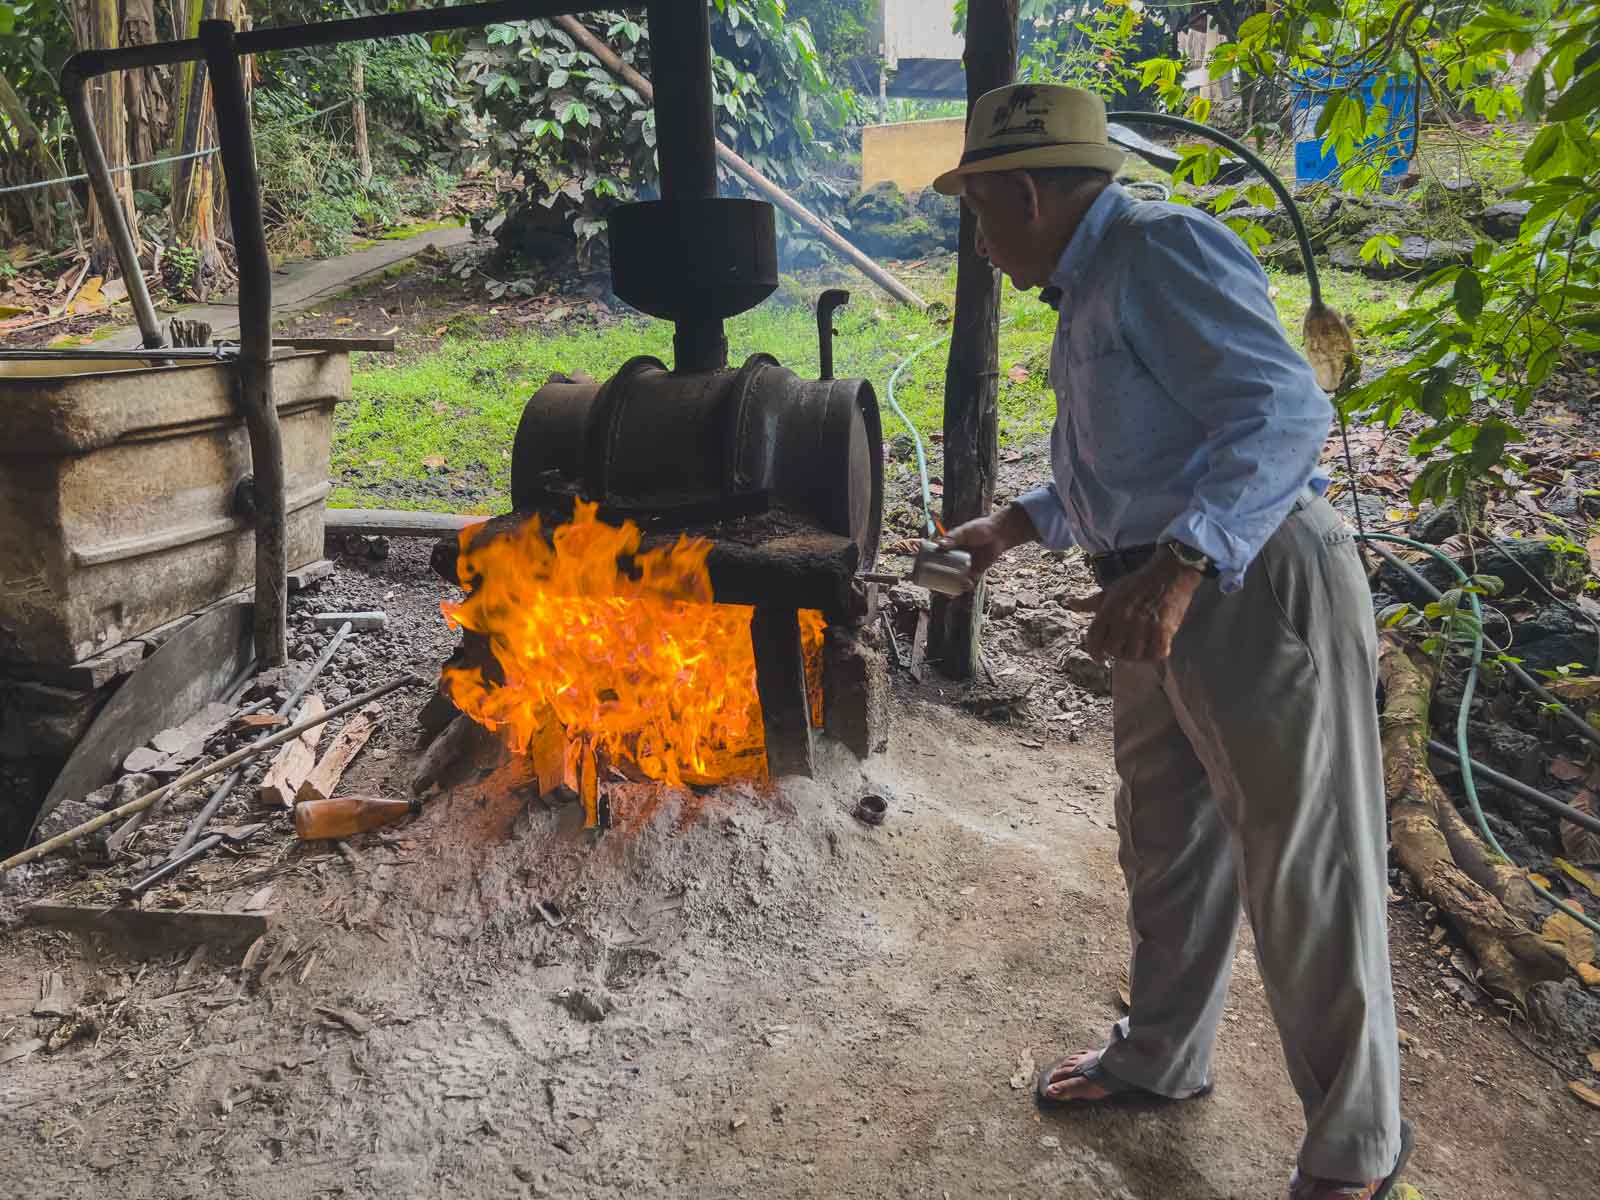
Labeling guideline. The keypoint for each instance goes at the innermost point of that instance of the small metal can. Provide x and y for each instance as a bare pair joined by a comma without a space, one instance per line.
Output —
948,572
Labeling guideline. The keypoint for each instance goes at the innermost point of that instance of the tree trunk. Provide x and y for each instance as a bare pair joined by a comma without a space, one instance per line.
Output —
971,416
1486,900
96,24
358,110
142,91
194,180
31,145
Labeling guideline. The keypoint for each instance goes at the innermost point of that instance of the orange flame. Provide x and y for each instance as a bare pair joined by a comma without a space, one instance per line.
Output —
625,651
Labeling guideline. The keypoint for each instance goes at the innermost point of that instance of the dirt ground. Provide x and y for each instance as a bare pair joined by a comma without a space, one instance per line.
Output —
747,994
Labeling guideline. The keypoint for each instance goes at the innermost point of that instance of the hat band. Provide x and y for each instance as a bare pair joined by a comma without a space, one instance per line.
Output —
972,156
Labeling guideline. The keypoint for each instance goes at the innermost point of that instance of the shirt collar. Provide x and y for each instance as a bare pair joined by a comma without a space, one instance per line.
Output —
1080,252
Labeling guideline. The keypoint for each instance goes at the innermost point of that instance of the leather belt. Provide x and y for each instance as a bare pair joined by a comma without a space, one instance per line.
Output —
1117,564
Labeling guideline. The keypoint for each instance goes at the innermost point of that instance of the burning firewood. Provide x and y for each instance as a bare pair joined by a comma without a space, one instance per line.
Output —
293,763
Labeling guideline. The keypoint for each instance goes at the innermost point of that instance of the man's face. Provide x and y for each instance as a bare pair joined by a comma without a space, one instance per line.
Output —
1010,232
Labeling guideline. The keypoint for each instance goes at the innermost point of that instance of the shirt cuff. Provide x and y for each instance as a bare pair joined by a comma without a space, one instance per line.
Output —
1044,509
1232,554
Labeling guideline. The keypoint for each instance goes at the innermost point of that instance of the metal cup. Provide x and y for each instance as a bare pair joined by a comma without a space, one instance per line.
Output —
948,572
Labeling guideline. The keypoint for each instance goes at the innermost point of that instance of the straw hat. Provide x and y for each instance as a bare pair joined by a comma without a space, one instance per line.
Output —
1033,125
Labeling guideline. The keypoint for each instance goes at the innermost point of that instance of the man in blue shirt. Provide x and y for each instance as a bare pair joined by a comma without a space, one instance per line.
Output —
1235,610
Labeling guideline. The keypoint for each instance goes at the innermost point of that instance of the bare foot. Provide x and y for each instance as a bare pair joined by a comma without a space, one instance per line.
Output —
1060,1087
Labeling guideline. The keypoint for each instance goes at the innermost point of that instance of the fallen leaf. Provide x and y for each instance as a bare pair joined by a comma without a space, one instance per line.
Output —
1124,989
1018,374
88,298
1580,877
115,291
342,321
556,313
435,462
1585,1093
1581,845
390,332
1025,1070
1580,687
1590,974
11,310
1534,877
440,330
1566,770
1576,941
1011,456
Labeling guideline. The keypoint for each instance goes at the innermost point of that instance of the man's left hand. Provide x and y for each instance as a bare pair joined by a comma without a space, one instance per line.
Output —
1137,617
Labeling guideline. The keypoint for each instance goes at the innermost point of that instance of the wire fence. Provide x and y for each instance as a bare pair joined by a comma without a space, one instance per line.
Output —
157,162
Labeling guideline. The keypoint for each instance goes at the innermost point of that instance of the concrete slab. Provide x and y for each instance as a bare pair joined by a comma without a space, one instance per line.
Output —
300,286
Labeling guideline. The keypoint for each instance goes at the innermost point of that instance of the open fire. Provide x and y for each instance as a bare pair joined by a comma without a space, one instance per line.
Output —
606,656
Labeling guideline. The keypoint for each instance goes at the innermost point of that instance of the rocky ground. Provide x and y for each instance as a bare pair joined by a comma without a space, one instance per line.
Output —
746,993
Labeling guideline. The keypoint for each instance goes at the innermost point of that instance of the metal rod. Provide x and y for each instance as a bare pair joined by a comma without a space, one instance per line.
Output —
680,42
1517,788
76,94
255,397
409,679
203,817
212,354
429,20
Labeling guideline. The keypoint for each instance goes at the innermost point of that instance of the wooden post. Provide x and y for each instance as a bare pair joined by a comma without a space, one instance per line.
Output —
781,685
97,25
971,415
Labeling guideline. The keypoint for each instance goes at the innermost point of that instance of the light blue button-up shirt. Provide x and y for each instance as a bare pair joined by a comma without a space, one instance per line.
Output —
1182,411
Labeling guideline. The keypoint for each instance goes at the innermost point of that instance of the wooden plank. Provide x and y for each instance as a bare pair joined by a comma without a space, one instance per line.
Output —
781,684
394,523
294,762
324,777
151,931
190,670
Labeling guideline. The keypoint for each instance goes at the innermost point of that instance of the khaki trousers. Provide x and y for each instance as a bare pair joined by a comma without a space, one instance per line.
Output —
1251,768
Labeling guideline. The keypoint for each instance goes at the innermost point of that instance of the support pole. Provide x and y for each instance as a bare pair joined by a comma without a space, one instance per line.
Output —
781,685
680,40
971,413
75,92
254,362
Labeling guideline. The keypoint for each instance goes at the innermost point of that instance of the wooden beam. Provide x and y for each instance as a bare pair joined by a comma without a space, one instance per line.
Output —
781,684
971,411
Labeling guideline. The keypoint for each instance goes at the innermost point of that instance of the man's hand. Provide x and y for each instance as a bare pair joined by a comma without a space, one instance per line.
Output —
1137,617
987,538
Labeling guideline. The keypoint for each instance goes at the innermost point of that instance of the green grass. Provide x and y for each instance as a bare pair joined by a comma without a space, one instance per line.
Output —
461,402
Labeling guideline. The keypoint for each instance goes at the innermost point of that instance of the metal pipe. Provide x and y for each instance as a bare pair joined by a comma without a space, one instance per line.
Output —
75,92
1517,788
203,817
686,145
830,299
255,396
428,20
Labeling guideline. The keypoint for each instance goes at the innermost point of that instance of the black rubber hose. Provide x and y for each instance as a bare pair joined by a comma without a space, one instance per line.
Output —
1266,172
1517,788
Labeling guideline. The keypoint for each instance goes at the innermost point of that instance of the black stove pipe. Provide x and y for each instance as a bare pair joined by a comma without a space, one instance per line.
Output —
686,149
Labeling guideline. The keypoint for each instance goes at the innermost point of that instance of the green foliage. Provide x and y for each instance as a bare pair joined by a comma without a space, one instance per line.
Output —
35,39
1086,45
843,31
585,141
1476,342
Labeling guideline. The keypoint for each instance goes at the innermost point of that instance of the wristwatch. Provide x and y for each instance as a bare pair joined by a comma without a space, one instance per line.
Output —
1195,560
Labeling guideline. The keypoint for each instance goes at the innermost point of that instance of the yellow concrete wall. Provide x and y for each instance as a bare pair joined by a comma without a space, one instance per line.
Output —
911,152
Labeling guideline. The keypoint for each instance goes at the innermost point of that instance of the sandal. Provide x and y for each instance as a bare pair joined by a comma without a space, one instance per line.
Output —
1120,1093
1301,1188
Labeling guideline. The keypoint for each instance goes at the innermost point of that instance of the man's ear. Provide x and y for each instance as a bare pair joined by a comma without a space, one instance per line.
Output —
1031,200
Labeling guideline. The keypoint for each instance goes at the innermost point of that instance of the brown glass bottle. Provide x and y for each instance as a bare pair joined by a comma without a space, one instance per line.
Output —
345,815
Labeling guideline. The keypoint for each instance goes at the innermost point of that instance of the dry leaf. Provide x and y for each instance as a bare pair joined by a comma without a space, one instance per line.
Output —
1582,845
1542,880
88,298
11,310
435,462
1590,974
1124,993
1566,770
1011,456
115,291
1585,1093
1576,941
440,331
342,321
1581,878
1026,1069
1018,374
